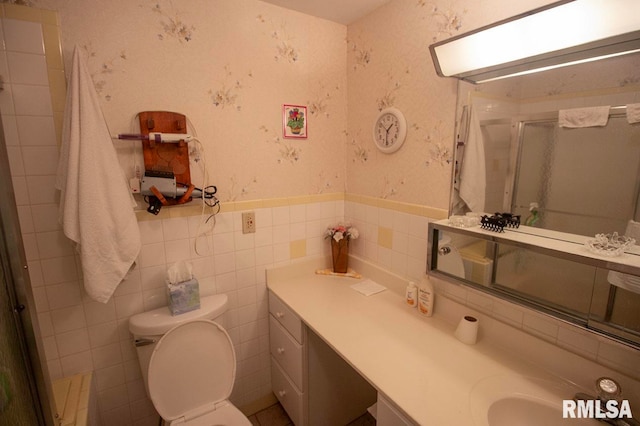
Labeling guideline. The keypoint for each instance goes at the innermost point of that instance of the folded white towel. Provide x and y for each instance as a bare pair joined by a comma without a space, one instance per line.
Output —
96,206
584,117
626,281
633,113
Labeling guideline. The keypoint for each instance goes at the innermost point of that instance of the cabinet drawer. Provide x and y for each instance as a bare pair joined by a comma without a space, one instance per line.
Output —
290,398
286,351
286,317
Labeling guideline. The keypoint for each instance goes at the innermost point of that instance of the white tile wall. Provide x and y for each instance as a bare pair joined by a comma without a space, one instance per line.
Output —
23,37
497,314
408,255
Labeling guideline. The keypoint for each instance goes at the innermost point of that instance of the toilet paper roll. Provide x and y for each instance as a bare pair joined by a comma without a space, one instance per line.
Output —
467,331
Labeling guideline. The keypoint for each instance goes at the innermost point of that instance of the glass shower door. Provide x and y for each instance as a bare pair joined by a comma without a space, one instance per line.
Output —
25,394
17,404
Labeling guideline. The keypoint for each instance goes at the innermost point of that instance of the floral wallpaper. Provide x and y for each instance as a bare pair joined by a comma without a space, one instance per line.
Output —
230,66
389,64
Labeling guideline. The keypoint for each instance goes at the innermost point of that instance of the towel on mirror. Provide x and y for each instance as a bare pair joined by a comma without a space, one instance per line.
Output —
584,117
96,205
633,113
626,281
473,174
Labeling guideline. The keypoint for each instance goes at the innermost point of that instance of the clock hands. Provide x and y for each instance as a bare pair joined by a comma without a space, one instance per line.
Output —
386,136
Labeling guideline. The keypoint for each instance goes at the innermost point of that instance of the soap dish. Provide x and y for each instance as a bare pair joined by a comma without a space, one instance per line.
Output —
609,244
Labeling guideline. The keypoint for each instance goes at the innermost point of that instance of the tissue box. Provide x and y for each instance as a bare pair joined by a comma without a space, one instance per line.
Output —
183,297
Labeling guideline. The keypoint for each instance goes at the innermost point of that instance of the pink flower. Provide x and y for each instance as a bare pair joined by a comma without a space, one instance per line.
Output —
341,231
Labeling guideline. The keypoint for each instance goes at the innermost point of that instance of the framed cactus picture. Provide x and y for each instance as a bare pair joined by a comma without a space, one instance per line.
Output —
294,121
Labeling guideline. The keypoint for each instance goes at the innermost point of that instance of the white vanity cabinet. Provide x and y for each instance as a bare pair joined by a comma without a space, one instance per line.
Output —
286,345
313,383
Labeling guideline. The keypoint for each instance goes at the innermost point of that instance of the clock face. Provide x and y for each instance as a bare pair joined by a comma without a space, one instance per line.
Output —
389,130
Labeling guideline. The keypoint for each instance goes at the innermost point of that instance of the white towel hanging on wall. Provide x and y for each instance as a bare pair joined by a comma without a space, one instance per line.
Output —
584,117
96,206
633,113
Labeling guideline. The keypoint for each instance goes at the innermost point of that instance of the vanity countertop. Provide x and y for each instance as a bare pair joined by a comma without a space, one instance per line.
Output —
414,360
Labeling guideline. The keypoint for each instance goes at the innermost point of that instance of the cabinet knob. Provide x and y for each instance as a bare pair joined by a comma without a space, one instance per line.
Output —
282,393
279,314
280,351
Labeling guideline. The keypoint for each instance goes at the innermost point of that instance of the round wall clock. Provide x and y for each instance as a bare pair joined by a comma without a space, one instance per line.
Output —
389,130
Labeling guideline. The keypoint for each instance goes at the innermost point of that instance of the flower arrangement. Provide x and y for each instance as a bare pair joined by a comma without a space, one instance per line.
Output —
341,231
295,120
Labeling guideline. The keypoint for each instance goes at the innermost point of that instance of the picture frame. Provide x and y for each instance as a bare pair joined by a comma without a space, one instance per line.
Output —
294,121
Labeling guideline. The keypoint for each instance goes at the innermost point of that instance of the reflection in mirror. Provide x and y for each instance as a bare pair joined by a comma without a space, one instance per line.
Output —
513,156
466,257
615,307
555,283
579,289
584,180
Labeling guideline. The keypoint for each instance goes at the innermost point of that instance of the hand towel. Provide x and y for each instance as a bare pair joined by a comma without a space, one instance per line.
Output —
626,281
96,206
473,175
633,113
584,117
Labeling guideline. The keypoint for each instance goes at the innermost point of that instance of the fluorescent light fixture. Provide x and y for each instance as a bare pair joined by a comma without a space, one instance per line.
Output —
564,33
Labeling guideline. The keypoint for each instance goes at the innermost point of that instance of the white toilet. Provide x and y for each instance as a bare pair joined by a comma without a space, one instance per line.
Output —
188,364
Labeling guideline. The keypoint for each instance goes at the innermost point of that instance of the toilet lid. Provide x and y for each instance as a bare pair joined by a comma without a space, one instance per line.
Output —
193,366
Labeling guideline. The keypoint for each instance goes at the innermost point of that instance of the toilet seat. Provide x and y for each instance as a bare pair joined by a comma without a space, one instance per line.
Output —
191,375
226,415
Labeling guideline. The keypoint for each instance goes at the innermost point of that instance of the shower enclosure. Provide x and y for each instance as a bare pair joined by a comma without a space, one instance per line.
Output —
25,396
585,180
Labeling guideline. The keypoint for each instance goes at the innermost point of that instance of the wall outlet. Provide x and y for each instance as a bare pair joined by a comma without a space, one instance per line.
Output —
248,222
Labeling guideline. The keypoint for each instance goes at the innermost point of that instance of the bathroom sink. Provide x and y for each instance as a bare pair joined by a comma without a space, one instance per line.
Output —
527,412
523,401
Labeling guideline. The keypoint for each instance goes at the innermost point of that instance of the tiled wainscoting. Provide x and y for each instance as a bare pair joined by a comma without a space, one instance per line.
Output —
82,335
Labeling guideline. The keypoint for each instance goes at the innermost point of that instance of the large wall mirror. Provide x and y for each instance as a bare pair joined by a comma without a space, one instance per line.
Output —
567,183
512,154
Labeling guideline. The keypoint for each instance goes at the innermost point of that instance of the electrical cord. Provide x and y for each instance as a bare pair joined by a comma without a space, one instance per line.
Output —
208,195
209,199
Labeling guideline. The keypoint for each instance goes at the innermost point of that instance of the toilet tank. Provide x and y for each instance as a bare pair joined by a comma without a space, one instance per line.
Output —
148,327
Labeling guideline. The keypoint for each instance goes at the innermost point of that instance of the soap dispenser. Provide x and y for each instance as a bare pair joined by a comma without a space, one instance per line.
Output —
412,294
426,295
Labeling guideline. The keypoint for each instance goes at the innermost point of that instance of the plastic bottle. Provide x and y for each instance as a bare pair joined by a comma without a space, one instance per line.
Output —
533,217
412,294
425,297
